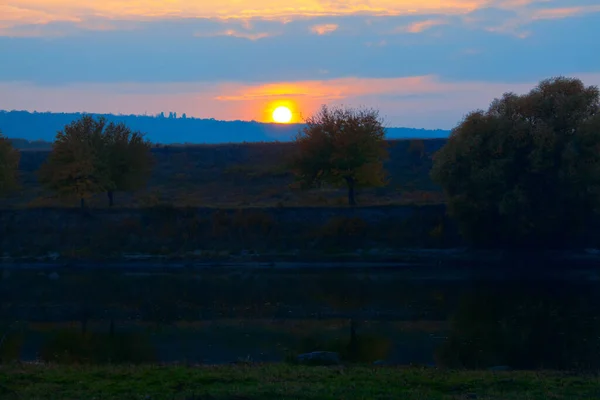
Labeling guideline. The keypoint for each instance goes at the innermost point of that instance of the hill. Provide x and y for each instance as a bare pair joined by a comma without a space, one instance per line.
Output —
172,129
244,175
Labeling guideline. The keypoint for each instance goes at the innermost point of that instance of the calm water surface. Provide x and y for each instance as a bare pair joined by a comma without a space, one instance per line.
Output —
219,317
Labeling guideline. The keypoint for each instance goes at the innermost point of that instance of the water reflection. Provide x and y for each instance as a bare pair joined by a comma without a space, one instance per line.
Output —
525,325
364,317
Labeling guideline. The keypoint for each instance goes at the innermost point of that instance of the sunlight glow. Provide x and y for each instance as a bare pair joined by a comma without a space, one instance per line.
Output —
282,115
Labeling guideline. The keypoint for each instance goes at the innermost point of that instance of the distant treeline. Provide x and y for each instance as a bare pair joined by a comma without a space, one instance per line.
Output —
39,127
24,144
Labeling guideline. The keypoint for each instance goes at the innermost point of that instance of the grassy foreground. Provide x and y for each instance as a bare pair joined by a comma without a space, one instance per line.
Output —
285,382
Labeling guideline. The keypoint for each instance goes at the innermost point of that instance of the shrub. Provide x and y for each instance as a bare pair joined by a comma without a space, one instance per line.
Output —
71,347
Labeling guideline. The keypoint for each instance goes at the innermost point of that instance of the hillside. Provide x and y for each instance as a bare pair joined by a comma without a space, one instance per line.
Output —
173,129
243,175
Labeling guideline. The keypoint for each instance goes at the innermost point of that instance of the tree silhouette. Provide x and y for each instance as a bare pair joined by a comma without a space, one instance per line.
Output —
90,156
526,172
9,165
77,164
128,157
341,146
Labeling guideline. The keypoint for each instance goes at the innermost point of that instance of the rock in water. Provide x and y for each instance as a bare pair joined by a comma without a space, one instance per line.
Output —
53,276
319,358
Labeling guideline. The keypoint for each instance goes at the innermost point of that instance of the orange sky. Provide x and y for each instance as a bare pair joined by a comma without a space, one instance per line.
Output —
423,101
74,10
19,12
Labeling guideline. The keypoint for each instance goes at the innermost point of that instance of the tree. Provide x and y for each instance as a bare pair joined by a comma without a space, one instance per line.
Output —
416,149
128,157
341,146
9,165
92,156
526,172
76,165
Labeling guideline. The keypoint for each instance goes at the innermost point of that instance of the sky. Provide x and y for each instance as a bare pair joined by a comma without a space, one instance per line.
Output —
421,63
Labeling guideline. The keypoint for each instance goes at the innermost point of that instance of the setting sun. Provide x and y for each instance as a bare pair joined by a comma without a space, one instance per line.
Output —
282,115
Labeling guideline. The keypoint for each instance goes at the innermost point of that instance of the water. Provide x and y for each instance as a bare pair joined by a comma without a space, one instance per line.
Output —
223,316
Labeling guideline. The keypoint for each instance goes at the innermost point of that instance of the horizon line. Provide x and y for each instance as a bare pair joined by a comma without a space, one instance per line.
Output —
178,117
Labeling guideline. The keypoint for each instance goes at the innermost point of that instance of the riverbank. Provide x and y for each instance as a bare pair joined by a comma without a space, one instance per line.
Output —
281,381
454,263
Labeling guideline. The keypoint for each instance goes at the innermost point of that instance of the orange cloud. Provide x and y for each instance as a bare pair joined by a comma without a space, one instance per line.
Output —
14,13
420,26
324,29
43,11
557,13
234,33
333,89
11,16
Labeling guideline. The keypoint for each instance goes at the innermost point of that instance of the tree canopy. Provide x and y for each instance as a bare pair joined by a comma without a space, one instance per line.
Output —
341,146
526,172
9,166
129,159
91,156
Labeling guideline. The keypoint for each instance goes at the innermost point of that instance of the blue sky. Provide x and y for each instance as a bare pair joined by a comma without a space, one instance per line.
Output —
422,63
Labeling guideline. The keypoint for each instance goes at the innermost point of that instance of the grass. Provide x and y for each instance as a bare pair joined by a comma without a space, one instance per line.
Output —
280,381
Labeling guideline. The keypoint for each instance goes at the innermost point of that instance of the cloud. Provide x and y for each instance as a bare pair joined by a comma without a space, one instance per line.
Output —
420,26
417,101
324,28
234,33
13,15
336,89
43,11
514,17
189,50
380,43
22,17
557,13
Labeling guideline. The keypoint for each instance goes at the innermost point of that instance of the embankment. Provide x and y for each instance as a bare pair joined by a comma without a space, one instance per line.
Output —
169,231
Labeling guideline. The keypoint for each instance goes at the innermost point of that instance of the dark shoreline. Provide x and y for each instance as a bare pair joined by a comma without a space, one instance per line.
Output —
417,264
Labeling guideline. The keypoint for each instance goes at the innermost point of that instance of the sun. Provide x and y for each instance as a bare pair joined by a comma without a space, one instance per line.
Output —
282,115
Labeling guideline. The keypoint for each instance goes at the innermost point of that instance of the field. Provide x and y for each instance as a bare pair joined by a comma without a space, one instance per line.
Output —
243,175
274,382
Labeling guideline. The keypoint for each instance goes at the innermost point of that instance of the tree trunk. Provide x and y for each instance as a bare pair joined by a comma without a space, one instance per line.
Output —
353,343
84,324
82,203
350,182
110,199
111,329
85,316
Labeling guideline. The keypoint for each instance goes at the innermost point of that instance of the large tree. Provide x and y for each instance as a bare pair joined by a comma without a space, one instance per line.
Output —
9,165
91,156
341,146
129,159
526,172
77,165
